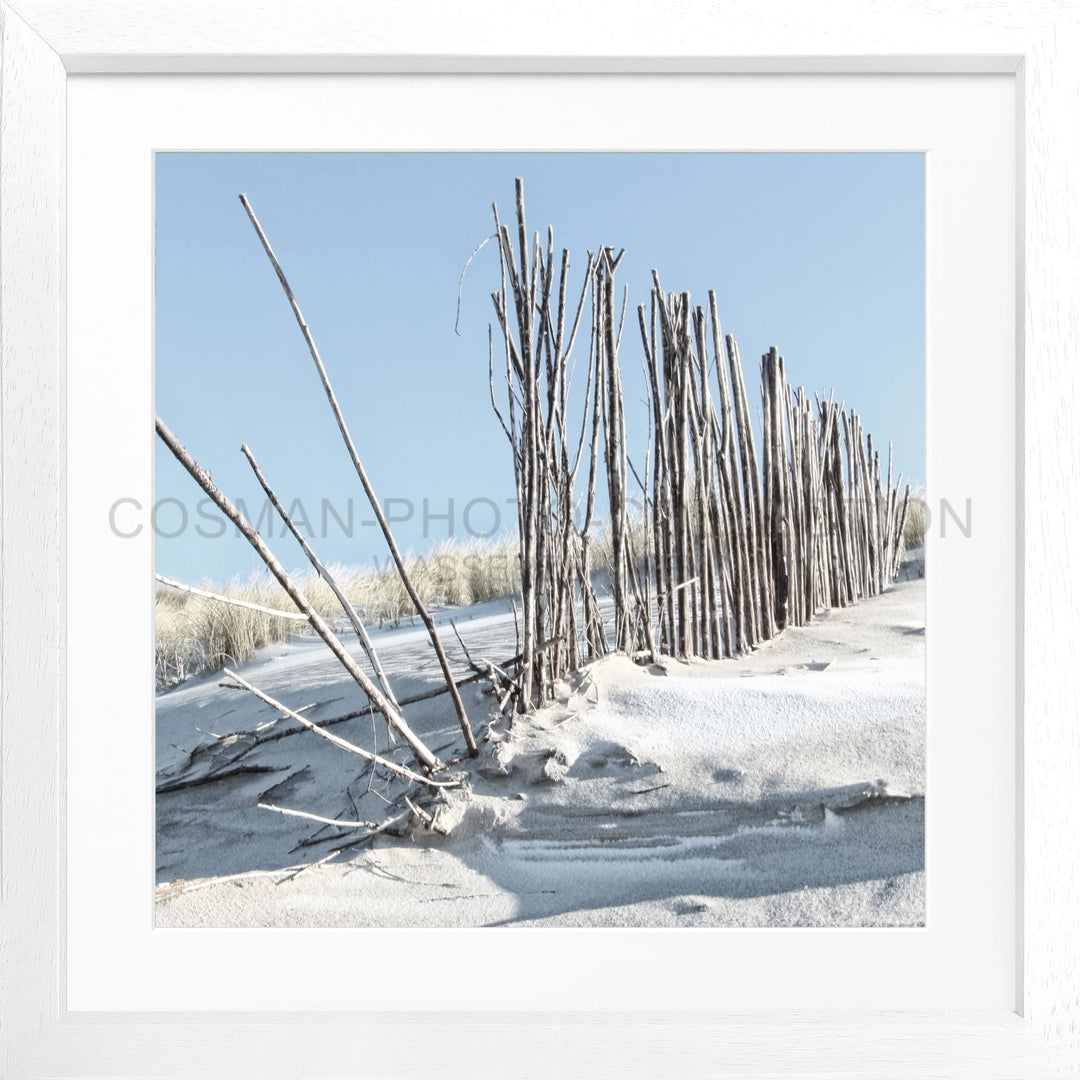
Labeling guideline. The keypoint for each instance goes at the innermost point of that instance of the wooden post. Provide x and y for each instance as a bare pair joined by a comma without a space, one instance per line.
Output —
380,516
900,523
393,717
772,386
660,516
321,570
752,497
738,509
615,450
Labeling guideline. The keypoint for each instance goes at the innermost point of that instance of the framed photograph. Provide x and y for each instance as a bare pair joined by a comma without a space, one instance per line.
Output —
711,750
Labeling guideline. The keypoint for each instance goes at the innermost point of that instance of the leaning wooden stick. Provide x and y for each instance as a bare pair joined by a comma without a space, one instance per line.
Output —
318,817
229,600
344,744
393,716
320,569
376,507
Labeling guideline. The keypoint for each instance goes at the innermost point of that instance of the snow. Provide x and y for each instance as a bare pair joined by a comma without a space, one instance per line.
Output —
782,789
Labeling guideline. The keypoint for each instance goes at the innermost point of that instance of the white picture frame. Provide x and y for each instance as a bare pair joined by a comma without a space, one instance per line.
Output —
41,43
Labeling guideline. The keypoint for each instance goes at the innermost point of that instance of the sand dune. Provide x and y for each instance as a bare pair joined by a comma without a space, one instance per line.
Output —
785,788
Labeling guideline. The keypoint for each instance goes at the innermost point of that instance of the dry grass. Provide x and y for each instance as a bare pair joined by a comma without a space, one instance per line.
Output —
194,635
601,549
915,522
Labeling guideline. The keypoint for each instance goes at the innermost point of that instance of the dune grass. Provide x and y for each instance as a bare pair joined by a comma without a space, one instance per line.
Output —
194,634
915,522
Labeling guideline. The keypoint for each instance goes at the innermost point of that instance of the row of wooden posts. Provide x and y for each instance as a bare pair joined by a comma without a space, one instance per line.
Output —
741,548
735,546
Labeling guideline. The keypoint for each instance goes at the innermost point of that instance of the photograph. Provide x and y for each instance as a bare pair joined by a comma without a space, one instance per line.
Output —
539,539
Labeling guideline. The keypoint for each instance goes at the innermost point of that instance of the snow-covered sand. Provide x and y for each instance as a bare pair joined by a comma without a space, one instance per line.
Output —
782,789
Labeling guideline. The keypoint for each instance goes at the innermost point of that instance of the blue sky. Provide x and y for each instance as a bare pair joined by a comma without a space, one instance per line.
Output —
821,255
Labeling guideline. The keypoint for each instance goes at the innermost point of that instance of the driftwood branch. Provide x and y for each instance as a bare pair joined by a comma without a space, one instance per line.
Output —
324,573
465,649
393,716
213,777
430,820
425,695
277,613
376,506
461,281
318,817
343,744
